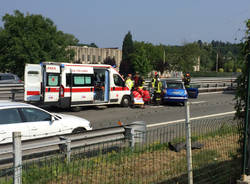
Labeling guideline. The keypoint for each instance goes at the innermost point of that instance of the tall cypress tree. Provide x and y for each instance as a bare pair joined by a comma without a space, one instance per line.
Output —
127,49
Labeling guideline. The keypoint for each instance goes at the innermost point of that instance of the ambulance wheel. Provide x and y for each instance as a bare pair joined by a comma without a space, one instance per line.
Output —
125,101
78,130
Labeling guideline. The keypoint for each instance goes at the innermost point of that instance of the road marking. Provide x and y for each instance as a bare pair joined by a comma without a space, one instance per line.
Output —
195,118
154,107
199,102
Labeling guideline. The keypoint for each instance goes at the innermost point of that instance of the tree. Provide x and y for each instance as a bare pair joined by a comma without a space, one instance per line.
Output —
190,54
109,61
242,79
182,58
31,39
241,95
160,61
126,66
140,60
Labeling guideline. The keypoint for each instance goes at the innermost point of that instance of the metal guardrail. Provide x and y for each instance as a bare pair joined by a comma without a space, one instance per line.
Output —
57,143
11,91
16,91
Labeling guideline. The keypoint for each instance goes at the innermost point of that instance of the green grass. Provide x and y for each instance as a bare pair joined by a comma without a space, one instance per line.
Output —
205,157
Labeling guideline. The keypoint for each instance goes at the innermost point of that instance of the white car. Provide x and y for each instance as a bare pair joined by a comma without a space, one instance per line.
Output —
34,122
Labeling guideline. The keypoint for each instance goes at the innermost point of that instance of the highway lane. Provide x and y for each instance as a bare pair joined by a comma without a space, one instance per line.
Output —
206,104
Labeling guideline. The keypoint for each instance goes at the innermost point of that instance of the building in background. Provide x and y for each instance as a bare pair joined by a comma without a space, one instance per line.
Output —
197,66
91,55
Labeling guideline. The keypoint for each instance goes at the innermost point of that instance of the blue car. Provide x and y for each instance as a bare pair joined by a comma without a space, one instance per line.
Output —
174,91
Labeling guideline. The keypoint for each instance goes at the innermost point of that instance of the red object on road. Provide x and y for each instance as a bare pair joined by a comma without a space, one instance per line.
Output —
136,94
146,96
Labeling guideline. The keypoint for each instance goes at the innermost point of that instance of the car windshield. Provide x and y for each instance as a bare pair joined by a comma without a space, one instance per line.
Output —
174,86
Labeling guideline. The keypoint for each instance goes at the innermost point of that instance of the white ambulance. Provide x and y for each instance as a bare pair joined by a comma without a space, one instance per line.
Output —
69,85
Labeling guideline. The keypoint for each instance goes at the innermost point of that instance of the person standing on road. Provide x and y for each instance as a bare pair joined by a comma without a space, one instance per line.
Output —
136,80
129,83
141,82
187,80
157,87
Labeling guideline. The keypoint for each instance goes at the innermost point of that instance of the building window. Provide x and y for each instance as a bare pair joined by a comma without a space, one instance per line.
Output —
88,57
83,58
99,58
93,58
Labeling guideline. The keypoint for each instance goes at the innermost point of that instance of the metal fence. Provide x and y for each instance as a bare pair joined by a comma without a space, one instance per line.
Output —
155,156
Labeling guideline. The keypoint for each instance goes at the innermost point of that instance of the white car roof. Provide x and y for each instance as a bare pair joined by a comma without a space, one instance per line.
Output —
6,104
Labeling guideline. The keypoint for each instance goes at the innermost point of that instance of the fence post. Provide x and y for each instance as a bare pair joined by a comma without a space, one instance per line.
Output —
17,154
188,144
68,145
129,134
12,95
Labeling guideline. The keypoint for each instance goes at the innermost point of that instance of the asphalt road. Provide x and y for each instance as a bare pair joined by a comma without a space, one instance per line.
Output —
205,104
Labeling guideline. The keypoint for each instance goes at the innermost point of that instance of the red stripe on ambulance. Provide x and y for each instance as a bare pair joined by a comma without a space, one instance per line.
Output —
78,90
33,92
52,90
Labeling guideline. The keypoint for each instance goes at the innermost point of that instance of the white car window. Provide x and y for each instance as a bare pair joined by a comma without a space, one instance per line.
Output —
32,114
10,116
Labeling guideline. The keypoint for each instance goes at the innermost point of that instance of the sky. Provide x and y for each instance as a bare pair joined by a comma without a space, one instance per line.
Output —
168,22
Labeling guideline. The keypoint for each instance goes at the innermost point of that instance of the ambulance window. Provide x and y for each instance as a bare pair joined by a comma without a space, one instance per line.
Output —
88,80
81,80
78,80
33,72
53,80
118,80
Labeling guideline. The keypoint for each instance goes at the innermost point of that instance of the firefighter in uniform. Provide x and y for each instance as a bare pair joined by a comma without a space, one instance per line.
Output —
187,79
157,87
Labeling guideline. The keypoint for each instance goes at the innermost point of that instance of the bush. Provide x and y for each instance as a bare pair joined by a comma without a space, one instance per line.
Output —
238,70
221,70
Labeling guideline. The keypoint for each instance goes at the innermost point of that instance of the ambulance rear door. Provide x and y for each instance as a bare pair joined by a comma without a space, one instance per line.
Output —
51,83
80,84
32,82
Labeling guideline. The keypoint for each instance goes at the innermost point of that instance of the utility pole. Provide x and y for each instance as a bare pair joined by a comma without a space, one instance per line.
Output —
164,56
217,61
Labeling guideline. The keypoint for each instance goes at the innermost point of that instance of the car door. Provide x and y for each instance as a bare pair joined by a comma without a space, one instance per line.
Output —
32,82
11,121
40,123
51,83
118,88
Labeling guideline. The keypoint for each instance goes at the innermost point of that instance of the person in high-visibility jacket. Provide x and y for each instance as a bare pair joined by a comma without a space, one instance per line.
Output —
157,87
141,82
129,83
